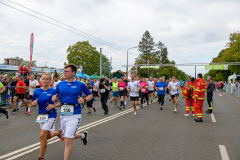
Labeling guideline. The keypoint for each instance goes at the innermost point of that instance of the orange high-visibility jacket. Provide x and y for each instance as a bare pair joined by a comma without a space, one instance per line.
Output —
199,91
191,84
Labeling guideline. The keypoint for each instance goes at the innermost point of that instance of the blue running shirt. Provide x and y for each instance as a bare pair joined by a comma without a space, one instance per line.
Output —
69,92
161,90
45,97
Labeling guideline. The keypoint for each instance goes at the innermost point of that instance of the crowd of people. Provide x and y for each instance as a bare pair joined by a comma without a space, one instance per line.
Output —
71,95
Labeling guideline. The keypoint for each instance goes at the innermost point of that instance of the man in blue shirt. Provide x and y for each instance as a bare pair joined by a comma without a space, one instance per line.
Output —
161,87
181,84
69,92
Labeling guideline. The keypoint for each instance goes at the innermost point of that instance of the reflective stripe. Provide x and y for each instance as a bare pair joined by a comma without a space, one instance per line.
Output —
197,90
200,98
203,89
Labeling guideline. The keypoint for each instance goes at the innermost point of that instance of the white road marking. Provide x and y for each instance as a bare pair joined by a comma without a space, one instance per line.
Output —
220,95
213,118
223,152
36,146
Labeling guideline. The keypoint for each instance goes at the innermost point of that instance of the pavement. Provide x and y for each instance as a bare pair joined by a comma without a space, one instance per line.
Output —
152,134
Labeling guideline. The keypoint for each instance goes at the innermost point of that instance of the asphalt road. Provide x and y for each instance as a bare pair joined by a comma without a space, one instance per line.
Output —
152,134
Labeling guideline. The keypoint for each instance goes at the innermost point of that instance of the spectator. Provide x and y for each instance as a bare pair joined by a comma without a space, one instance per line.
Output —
25,71
20,69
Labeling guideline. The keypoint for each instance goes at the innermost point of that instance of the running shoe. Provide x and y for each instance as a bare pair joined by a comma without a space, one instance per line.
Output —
89,112
151,102
111,101
7,115
85,140
27,112
175,110
135,113
120,108
39,158
144,101
141,106
60,135
147,103
186,115
115,103
161,108
14,110
94,109
123,106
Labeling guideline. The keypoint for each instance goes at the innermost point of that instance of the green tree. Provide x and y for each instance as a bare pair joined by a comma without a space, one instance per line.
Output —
26,62
85,56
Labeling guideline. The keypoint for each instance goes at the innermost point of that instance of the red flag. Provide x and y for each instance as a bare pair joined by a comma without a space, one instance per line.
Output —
31,50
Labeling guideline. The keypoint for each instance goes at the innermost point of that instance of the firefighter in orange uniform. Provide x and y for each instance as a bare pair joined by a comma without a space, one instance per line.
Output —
199,96
190,99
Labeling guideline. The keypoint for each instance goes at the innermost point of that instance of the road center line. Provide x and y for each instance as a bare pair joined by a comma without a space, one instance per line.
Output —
220,95
213,118
223,152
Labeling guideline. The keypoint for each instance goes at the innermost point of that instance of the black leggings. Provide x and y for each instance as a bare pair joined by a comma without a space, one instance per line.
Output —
142,97
104,104
89,104
2,110
161,99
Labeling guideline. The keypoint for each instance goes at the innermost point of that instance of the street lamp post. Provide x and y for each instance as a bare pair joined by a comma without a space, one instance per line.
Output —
127,59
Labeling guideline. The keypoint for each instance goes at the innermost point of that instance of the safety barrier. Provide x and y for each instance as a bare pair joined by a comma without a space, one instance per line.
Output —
7,96
232,89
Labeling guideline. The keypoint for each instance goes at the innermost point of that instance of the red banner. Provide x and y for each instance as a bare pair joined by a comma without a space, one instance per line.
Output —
31,51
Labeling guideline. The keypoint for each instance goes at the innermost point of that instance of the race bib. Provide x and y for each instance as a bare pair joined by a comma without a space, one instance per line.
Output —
115,90
150,87
67,109
143,90
121,88
160,88
174,90
42,118
102,90
133,90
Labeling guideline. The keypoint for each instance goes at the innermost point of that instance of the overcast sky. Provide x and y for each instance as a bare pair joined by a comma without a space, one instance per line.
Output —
193,31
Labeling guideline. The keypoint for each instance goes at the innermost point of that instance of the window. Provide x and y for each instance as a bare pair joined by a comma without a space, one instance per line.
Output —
7,61
14,62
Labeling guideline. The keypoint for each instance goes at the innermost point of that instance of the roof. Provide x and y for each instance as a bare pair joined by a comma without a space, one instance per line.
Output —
10,58
123,73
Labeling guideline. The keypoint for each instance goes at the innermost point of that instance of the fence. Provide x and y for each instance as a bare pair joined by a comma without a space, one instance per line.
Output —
232,89
7,96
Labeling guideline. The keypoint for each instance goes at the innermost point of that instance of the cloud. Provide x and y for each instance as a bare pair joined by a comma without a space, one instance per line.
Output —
193,31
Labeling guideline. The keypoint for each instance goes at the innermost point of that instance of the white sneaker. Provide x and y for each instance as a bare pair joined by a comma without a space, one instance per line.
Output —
135,113
175,110
193,115
187,115
125,103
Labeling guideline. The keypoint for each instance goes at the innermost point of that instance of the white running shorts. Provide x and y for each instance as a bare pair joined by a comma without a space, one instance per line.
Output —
70,124
49,125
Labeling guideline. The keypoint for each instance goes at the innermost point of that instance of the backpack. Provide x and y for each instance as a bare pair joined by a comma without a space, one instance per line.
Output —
187,91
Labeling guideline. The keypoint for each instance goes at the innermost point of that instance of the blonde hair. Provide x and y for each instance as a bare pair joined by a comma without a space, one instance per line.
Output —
48,73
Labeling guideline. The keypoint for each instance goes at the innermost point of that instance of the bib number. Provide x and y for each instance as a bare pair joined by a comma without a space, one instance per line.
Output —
121,88
67,109
102,91
133,90
174,90
143,90
42,118
150,87
160,88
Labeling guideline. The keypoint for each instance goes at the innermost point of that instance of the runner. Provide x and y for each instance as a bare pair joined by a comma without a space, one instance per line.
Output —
122,93
90,103
169,90
181,84
69,92
115,92
161,87
151,84
174,86
110,90
103,86
2,90
140,92
20,87
126,94
95,91
144,91
133,88
47,113
56,80
33,86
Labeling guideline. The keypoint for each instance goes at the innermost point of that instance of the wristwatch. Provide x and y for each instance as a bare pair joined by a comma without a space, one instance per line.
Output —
85,100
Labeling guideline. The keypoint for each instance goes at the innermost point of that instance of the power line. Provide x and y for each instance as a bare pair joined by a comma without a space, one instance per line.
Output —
122,50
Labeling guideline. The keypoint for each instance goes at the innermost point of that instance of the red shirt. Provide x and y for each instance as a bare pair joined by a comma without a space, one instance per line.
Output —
155,82
24,70
20,69
21,84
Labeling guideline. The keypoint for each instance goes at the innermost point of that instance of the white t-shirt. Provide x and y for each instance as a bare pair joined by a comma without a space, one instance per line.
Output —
174,86
55,84
33,83
95,86
134,86
150,85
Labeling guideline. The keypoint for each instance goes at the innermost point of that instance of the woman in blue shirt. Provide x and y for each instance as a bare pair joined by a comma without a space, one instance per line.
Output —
47,112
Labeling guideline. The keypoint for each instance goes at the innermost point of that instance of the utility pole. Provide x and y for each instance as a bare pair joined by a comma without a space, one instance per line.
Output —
100,62
127,60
